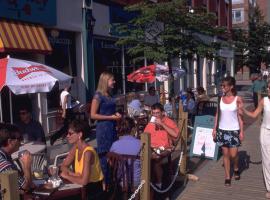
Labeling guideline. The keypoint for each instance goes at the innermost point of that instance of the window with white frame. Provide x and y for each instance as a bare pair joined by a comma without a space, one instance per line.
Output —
237,1
237,16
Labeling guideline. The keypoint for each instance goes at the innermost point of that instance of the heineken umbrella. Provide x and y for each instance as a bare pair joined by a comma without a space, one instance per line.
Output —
23,77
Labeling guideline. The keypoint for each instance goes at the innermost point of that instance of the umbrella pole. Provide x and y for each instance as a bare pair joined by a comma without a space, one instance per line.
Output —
10,107
1,108
123,70
146,84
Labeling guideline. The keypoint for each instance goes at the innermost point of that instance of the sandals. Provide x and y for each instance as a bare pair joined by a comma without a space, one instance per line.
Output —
227,182
236,175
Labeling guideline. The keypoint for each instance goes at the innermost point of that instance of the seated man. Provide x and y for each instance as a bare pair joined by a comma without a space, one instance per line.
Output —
163,132
10,141
30,129
128,145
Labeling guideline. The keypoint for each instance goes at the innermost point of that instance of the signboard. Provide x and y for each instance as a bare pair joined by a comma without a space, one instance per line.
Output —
36,11
202,141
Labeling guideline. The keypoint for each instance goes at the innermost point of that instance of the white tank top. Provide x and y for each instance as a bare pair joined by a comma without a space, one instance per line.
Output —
266,113
228,116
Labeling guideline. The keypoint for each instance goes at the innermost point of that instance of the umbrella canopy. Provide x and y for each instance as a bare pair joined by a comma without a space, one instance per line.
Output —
24,77
148,74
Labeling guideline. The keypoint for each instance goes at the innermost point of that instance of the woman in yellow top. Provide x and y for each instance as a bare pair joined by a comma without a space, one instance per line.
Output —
87,170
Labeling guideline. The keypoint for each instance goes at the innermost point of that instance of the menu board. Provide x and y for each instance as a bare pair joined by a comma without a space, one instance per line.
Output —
202,141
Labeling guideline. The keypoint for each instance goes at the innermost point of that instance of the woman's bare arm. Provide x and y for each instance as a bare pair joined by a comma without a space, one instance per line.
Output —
96,116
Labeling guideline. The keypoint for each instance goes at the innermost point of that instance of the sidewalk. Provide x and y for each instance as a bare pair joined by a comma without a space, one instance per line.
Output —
251,185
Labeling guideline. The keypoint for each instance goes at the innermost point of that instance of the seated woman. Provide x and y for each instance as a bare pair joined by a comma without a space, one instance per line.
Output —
87,170
128,145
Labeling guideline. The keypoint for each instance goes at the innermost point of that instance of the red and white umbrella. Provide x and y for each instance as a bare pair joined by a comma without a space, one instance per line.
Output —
148,74
23,77
144,74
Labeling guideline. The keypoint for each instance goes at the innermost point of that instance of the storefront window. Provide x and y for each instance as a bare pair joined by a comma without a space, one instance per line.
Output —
63,58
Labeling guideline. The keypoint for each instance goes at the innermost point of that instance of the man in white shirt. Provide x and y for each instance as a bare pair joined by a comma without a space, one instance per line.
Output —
67,114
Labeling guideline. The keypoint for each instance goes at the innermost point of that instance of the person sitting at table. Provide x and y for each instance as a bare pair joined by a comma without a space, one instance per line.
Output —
163,131
128,145
151,98
10,141
30,129
133,105
87,169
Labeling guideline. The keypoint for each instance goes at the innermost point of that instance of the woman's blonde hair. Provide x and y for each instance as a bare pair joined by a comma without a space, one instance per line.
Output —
103,82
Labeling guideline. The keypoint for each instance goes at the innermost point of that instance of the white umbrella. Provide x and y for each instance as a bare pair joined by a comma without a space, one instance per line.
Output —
23,77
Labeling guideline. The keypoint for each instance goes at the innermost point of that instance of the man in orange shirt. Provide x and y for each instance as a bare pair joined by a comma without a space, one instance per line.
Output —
163,131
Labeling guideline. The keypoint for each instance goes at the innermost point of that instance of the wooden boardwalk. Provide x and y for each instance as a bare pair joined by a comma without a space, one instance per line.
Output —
251,185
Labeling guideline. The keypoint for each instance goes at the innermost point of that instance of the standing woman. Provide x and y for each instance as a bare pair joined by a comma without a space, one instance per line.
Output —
228,131
103,109
264,105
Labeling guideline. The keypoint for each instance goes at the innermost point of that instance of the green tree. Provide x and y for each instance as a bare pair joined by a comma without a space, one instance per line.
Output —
252,44
162,31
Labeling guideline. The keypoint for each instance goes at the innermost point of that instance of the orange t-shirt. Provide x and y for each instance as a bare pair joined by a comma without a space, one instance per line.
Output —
160,137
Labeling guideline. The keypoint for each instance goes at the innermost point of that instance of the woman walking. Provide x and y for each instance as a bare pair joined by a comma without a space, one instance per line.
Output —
228,129
264,105
103,110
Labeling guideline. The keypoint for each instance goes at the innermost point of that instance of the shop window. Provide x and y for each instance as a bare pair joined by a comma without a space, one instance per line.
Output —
63,58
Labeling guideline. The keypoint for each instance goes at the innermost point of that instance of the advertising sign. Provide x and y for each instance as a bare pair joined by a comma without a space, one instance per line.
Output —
202,141
36,11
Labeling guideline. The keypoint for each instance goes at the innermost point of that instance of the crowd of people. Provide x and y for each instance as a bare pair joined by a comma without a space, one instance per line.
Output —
116,132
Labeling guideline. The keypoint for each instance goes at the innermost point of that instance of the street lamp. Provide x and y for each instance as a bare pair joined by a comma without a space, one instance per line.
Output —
90,24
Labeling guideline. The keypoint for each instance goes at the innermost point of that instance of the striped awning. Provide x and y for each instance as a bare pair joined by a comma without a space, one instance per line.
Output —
19,36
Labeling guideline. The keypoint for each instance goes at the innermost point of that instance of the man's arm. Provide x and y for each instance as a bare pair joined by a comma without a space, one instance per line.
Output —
169,126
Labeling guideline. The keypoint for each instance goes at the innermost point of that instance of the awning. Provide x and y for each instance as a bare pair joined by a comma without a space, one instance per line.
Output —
19,36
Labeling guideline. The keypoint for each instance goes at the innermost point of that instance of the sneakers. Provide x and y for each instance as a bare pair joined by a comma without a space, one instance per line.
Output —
267,195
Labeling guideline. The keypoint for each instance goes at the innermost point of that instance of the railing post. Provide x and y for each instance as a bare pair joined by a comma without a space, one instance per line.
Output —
9,185
145,163
183,165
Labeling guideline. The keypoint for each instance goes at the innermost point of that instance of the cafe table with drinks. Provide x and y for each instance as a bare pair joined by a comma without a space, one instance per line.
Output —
48,185
46,181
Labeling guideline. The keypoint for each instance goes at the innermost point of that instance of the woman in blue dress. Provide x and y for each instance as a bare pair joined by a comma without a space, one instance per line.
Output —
103,109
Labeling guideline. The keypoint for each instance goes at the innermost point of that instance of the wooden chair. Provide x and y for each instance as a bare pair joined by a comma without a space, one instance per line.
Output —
122,178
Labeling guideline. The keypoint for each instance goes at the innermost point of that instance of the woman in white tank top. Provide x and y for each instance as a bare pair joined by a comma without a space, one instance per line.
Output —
228,129
264,105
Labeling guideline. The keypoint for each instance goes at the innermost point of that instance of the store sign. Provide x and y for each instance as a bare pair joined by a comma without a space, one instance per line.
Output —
36,11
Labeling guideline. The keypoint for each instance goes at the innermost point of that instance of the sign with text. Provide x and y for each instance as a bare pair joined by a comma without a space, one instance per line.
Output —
36,11
202,141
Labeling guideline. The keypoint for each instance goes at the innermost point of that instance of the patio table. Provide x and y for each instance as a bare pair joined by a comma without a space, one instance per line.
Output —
66,191
32,147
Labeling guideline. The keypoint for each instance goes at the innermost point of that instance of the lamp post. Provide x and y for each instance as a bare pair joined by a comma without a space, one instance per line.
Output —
88,54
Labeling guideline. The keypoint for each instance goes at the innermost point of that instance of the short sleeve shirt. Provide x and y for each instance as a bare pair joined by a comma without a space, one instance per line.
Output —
160,137
7,164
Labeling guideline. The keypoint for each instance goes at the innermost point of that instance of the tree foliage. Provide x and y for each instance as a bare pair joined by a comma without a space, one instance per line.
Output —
252,44
162,31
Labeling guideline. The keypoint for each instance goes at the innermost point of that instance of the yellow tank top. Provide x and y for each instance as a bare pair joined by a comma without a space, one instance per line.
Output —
95,169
